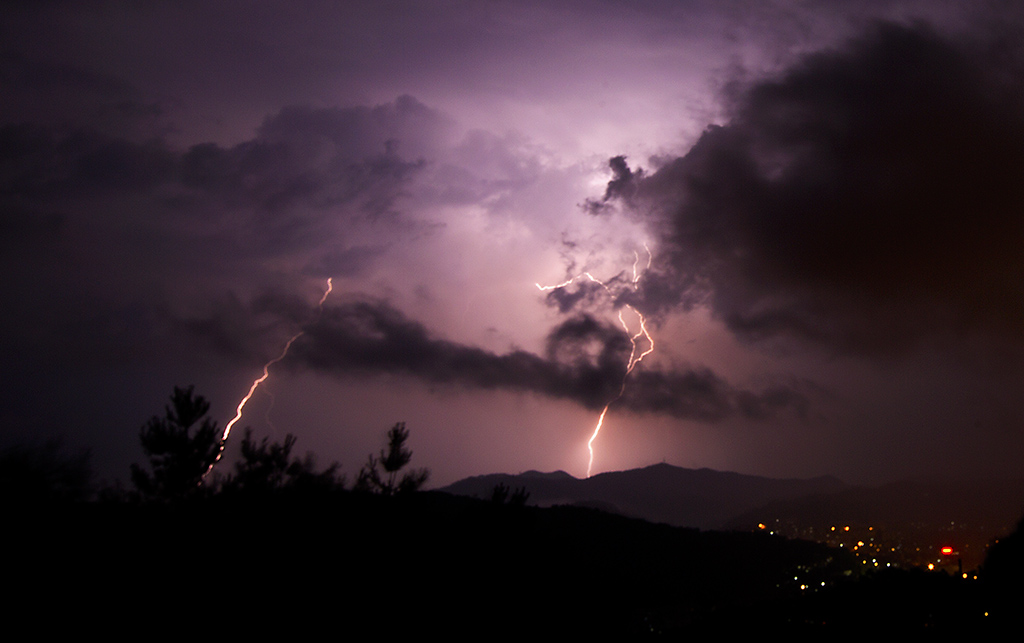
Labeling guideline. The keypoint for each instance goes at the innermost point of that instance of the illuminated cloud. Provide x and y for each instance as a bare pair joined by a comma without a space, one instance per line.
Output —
829,194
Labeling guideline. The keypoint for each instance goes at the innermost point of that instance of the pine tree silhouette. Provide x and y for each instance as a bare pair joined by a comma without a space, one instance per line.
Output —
391,461
268,467
178,456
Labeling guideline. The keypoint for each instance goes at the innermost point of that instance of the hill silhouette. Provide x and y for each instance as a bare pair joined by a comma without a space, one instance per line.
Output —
411,564
701,498
414,564
902,523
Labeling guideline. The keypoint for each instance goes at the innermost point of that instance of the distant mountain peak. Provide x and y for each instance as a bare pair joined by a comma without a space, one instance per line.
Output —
660,492
554,475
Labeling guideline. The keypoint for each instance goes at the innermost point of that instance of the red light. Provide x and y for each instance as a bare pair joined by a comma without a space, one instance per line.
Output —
947,551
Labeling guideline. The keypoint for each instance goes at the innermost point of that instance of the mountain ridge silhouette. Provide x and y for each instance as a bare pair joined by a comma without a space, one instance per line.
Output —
701,498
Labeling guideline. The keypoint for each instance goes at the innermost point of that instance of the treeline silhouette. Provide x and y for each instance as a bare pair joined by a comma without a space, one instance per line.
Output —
280,547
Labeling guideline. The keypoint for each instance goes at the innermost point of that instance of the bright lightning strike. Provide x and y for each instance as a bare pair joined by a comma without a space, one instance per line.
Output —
635,355
256,383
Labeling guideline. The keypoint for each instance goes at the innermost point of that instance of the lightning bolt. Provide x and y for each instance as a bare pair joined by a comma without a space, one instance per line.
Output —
256,383
635,355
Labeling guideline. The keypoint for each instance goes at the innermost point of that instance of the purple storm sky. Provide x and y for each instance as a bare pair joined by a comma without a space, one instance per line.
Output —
832,195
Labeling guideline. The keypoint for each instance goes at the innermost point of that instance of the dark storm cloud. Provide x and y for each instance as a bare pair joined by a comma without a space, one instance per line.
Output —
301,185
866,198
311,166
348,262
56,93
324,155
43,163
28,226
119,249
623,185
244,331
371,337
581,294
405,125
585,363
290,192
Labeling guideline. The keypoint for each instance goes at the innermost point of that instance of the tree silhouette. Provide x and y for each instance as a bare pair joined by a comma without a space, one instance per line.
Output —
179,456
500,495
391,461
268,467
33,474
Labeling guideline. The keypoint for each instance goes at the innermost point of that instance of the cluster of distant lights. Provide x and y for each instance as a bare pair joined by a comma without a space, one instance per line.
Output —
945,551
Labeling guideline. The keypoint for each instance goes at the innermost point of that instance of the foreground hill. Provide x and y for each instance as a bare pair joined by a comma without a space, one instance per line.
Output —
359,565
904,523
394,566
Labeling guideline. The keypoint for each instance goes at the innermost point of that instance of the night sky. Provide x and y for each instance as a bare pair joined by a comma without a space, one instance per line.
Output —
831,195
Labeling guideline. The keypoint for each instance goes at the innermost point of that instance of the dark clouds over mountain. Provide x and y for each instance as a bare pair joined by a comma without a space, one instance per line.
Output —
867,198
585,362
816,205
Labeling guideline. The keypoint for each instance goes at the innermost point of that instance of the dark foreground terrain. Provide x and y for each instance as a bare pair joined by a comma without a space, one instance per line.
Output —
430,562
